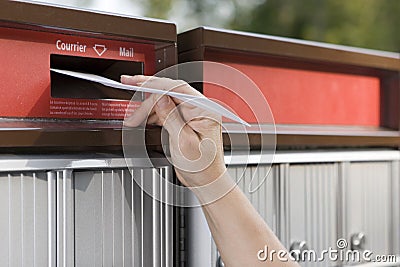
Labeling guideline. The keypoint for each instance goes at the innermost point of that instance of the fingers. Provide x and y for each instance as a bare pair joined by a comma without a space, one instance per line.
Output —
134,80
140,114
153,120
165,84
158,115
169,116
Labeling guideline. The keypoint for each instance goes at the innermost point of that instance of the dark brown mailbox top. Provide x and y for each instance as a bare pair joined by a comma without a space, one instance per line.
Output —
286,47
87,21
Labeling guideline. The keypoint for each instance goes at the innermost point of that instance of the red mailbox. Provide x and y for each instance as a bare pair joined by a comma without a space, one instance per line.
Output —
314,89
35,38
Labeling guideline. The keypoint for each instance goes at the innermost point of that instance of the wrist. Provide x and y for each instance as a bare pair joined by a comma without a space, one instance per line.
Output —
218,188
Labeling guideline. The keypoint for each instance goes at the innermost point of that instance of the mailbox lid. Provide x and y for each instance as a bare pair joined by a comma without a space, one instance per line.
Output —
221,39
55,17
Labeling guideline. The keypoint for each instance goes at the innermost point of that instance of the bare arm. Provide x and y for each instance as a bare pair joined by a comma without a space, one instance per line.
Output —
197,154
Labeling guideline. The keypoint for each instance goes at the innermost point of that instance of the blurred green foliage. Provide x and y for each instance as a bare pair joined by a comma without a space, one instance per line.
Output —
157,8
363,23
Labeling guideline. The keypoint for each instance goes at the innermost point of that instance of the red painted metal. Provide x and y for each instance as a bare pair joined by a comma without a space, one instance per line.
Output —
25,68
298,96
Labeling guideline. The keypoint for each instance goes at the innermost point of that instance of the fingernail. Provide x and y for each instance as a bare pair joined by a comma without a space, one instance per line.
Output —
125,77
163,101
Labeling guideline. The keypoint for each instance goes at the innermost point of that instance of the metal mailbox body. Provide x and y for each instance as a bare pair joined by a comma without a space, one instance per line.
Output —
35,38
68,196
336,108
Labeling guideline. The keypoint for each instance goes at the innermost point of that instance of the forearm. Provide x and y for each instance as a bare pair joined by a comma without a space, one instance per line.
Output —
195,140
238,230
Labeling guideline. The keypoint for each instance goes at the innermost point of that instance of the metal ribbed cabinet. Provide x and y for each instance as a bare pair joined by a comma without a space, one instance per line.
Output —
310,200
340,195
368,205
24,219
91,215
202,250
265,198
309,207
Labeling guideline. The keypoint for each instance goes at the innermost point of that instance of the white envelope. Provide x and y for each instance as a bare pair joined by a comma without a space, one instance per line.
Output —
201,102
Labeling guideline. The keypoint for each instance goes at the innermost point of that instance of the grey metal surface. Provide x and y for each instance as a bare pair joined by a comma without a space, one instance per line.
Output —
84,216
202,250
11,163
23,219
64,211
395,207
321,196
301,156
311,192
263,199
368,204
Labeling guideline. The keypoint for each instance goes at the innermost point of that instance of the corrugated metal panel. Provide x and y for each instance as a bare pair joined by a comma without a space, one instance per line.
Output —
85,218
395,208
117,224
263,199
311,213
65,219
368,204
23,219
326,196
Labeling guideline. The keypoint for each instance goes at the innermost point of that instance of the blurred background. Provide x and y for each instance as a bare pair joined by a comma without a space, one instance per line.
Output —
363,23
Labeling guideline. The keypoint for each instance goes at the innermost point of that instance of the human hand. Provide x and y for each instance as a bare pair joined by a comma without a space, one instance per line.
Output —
195,136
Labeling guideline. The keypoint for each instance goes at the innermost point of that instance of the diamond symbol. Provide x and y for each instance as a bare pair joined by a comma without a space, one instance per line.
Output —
100,49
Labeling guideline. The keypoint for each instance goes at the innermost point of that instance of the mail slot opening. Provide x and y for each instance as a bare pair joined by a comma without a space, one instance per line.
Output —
63,86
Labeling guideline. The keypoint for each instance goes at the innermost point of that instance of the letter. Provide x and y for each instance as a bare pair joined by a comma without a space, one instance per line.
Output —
271,255
58,44
263,251
122,51
333,254
367,255
309,255
353,255
294,255
282,256
322,257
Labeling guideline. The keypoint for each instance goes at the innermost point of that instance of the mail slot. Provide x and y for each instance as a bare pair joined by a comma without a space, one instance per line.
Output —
63,86
35,38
